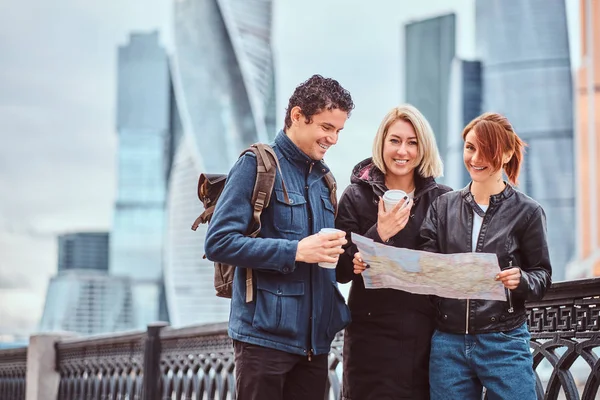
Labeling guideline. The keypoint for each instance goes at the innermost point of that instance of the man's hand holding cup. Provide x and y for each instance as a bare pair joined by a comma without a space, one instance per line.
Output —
323,248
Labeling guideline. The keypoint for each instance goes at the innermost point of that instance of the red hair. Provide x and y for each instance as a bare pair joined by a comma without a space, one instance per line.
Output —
496,137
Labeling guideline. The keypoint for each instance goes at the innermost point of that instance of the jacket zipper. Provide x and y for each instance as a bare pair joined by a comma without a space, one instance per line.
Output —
476,246
508,294
310,330
467,324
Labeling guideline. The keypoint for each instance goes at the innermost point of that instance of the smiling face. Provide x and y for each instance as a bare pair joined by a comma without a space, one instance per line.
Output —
316,137
401,149
481,170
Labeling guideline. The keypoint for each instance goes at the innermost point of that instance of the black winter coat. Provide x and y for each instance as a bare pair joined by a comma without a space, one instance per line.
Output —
513,228
386,346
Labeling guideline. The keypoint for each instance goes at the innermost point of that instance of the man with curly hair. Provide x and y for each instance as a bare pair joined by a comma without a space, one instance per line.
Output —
283,336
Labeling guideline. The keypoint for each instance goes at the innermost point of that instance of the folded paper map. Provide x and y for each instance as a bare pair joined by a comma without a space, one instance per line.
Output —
459,276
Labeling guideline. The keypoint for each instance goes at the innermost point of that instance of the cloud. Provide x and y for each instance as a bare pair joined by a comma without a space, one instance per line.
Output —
13,280
57,129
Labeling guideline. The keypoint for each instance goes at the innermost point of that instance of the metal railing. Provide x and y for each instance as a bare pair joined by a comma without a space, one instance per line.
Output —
565,336
197,362
108,367
13,372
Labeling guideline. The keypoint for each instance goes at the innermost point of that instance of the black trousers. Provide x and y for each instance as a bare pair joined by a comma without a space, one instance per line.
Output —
267,374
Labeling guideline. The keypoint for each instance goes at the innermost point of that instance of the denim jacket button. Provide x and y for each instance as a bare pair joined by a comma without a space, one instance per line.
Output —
279,292
445,316
493,319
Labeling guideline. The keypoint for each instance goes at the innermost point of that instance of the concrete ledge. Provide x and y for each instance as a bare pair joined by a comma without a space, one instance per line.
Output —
42,377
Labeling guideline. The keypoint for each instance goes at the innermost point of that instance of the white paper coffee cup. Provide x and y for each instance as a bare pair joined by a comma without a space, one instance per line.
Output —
393,197
325,264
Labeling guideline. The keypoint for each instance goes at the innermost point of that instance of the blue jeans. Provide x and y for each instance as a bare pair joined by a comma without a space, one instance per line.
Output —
461,365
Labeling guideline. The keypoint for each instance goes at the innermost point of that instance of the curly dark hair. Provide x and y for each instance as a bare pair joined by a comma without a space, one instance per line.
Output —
316,95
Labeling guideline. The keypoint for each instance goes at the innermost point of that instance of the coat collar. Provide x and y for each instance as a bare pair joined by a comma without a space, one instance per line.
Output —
494,199
291,152
366,172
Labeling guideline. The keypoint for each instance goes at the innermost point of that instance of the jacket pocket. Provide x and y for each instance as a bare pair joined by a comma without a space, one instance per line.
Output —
278,307
328,211
290,217
339,317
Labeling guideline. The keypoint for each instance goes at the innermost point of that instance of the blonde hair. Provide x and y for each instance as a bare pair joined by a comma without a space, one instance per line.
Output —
429,164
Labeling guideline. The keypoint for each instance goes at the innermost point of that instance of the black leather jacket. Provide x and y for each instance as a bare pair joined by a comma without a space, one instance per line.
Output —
514,228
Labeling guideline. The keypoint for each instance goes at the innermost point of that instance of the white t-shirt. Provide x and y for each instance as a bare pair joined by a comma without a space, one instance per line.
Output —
477,222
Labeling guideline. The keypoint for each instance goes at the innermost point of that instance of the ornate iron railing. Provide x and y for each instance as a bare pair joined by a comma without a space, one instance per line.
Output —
197,362
109,367
13,371
565,340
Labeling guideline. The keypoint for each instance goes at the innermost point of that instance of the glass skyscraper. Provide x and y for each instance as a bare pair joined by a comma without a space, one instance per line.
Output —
429,52
225,92
83,250
82,297
144,133
87,302
464,104
524,48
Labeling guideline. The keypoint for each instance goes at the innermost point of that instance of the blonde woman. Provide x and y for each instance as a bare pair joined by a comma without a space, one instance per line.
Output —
386,346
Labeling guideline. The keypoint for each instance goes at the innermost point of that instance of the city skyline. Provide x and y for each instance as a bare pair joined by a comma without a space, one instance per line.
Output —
36,110
527,76
224,86
144,130
82,297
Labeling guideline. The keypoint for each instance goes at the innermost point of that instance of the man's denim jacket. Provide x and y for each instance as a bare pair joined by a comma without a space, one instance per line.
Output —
297,307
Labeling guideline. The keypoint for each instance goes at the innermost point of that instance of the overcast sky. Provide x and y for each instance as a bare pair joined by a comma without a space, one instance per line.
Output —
57,108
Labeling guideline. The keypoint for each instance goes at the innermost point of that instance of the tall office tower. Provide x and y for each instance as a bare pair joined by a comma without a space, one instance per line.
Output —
586,261
83,250
429,52
224,86
524,48
464,104
144,132
82,297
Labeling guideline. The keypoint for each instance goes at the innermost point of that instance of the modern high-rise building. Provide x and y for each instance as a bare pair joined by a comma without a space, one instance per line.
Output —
464,104
524,49
87,302
586,261
225,91
83,250
429,52
82,297
144,121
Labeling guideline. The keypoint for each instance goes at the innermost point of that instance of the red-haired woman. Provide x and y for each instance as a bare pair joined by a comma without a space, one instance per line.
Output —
484,343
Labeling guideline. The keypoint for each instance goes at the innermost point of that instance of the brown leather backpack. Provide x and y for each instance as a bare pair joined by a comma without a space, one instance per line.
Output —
210,187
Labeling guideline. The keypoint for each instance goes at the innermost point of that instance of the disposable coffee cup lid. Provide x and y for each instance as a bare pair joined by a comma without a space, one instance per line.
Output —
394,195
329,230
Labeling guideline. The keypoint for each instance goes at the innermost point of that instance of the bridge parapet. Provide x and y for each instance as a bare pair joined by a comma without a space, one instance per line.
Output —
197,362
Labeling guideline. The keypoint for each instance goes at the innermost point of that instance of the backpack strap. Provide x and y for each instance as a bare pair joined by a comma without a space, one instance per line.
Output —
267,166
330,180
